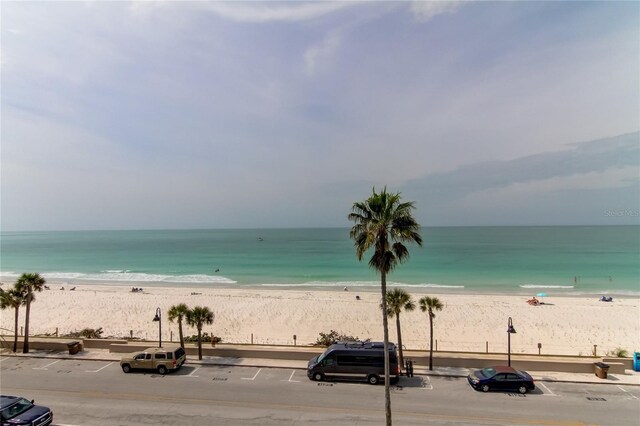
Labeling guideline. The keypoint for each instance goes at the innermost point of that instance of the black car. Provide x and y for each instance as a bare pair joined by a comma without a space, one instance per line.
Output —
501,378
15,410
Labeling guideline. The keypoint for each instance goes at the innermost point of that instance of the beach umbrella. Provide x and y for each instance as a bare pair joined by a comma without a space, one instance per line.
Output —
541,294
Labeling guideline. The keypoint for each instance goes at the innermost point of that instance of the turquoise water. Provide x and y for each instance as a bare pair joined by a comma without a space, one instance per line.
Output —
562,259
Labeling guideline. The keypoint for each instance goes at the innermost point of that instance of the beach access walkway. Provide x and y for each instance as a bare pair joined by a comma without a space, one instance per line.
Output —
281,357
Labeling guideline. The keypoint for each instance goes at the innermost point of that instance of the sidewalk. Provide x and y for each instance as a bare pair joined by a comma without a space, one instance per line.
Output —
632,378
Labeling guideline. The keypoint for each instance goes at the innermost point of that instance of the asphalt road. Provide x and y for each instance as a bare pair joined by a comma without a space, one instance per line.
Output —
99,393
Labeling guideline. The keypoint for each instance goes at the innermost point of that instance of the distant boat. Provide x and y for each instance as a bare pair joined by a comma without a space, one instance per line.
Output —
260,239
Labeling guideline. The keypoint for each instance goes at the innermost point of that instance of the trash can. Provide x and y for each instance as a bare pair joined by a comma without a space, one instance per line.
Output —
636,361
74,347
601,369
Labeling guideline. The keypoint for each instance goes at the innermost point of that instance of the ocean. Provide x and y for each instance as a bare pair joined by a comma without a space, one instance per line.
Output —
555,260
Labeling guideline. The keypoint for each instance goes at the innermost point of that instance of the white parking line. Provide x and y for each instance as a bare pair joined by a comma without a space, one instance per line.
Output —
254,377
548,390
630,394
2,359
428,385
48,365
291,377
95,371
191,374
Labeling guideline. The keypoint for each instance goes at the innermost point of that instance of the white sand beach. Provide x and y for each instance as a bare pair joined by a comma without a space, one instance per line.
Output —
563,325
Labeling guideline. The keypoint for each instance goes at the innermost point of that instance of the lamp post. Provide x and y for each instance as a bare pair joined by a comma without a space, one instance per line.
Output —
158,318
510,330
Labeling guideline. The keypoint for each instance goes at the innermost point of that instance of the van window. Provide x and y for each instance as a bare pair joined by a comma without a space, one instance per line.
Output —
179,353
148,356
360,360
139,357
329,361
169,355
161,356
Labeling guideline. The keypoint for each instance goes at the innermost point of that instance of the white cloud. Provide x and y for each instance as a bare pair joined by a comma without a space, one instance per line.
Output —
315,55
425,10
267,12
618,177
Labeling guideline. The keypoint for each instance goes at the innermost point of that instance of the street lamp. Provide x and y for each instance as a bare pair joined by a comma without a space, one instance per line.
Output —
158,318
510,330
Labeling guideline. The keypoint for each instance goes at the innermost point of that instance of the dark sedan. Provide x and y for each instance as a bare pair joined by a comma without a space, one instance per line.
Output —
15,410
501,378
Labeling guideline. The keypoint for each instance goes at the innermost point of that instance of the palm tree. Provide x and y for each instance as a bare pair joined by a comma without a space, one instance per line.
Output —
384,223
28,284
197,317
12,298
179,312
430,304
397,300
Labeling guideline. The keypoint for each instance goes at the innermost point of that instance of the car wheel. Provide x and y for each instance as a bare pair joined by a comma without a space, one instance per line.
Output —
485,388
318,377
373,379
162,370
126,368
522,389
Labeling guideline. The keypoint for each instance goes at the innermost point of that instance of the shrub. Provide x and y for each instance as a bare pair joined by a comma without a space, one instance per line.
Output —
205,338
620,353
87,333
328,339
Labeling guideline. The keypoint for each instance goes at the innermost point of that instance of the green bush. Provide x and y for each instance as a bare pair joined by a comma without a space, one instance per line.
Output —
328,339
206,338
620,353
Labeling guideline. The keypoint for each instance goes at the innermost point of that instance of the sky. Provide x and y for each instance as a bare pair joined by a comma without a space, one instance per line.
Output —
171,115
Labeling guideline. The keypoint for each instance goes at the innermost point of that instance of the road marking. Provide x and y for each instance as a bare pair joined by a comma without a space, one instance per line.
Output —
45,367
254,377
548,390
2,359
95,371
428,386
191,374
291,377
632,395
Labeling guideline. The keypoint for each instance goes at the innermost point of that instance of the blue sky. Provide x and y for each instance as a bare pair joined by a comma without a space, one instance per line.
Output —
136,115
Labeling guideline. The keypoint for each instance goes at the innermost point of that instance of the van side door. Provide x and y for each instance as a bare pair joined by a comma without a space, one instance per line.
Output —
329,365
141,361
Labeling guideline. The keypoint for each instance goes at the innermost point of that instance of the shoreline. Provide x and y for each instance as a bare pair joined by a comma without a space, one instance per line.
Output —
364,287
565,325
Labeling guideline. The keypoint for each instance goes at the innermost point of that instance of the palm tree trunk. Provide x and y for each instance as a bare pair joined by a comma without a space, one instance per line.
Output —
180,332
25,346
199,342
399,340
385,326
15,334
431,342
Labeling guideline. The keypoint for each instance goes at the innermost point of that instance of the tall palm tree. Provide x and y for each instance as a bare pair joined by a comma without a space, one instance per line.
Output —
196,318
397,300
383,223
179,312
28,284
430,304
12,298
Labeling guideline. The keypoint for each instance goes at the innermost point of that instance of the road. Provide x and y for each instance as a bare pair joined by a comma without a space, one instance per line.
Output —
82,392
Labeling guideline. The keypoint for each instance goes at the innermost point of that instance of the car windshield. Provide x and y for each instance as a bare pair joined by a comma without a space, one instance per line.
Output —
16,409
488,372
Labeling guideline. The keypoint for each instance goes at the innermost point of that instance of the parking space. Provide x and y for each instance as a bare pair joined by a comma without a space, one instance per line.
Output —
252,376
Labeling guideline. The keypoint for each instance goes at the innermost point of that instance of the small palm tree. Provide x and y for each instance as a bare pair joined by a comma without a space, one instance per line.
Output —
397,300
383,223
28,284
12,298
430,304
179,312
196,318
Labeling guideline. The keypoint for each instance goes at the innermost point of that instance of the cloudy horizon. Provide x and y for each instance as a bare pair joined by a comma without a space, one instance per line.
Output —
174,115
